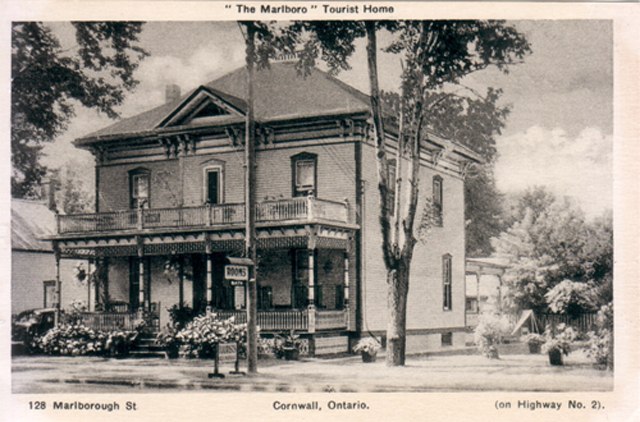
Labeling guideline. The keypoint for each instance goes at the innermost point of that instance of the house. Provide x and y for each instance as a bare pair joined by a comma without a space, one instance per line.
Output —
484,290
33,263
170,212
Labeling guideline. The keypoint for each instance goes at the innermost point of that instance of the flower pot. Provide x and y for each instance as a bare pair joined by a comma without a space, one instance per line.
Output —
534,348
368,357
555,357
291,353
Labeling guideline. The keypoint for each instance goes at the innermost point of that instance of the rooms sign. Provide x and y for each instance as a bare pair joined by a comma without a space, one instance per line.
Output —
236,272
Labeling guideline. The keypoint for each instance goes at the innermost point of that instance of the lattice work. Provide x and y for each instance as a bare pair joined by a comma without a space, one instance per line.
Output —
283,242
329,243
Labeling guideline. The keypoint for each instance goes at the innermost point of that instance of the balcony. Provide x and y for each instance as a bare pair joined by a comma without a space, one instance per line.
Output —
295,210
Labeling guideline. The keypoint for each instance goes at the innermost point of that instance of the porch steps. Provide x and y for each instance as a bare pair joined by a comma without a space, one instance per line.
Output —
146,348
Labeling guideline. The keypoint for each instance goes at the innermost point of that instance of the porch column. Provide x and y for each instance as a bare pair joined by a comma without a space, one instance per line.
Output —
89,262
346,279
500,293
209,279
58,289
141,296
311,296
478,290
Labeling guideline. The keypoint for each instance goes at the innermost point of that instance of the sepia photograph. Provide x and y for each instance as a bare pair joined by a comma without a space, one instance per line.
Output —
311,206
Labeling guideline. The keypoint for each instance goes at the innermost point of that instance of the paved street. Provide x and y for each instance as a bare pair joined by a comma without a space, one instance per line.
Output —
513,372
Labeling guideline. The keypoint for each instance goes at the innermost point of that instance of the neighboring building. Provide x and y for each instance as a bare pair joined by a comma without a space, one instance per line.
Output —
170,193
33,264
484,290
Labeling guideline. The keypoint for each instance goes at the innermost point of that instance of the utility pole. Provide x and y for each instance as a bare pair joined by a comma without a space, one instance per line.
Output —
250,204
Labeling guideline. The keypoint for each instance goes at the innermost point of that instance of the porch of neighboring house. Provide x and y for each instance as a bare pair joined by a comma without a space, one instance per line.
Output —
149,261
484,293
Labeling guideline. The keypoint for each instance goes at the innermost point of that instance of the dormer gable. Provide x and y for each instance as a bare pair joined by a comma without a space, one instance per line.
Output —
204,106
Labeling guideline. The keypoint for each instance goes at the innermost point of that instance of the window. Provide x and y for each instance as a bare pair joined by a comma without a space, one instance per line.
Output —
304,169
437,199
49,293
446,339
391,178
139,188
446,282
213,185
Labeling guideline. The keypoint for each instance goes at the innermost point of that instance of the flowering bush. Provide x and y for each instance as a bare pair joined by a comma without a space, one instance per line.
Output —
180,316
489,332
533,338
71,340
600,346
367,345
201,336
560,341
168,340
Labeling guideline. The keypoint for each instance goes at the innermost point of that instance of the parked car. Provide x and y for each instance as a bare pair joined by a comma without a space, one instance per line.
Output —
29,324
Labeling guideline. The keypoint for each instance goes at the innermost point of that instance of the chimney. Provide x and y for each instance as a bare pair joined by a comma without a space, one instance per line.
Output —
49,193
172,93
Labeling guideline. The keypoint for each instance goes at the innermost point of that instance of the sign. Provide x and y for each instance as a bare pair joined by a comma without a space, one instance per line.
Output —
236,283
236,272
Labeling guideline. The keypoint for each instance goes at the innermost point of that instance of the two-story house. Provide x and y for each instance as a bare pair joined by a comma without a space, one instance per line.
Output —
170,211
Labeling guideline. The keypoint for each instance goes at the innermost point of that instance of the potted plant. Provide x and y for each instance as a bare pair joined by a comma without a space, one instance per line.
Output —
368,348
287,346
558,344
534,341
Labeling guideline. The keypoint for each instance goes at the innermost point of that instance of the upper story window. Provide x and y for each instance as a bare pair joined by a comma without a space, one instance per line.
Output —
213,186
304,169
446,283
437,199
139,188
391,178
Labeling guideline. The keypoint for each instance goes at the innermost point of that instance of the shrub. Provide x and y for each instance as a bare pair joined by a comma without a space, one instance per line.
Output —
200,337
572,298
489,332
78,340
561,340
286,343
533,338
181,316
600,345
169,341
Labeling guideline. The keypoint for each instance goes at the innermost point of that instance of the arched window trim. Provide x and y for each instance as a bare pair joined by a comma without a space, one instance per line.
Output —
134,198
297,190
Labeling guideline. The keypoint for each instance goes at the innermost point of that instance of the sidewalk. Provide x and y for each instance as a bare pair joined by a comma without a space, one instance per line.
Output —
513,372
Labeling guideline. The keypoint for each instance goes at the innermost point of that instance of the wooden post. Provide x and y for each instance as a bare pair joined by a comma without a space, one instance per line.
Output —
478,290
346,279
141,296
209,278
88,285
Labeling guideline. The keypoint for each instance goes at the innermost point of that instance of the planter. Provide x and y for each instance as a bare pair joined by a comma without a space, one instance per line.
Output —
534,348
291,353
369,357
555,357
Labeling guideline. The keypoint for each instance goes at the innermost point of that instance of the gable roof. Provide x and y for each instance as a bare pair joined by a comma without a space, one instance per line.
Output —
281,92
31,221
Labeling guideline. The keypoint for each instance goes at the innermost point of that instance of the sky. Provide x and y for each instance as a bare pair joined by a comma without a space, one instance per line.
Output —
558,134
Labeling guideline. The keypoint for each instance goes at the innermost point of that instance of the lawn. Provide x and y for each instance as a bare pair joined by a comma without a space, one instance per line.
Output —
515,371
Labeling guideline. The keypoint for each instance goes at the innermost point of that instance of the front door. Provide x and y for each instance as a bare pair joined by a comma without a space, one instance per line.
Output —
222,295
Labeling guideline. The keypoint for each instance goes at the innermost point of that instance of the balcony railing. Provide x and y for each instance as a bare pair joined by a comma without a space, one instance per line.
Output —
296,209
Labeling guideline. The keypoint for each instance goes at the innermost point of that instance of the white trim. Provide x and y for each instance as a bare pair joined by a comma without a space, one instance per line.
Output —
219,168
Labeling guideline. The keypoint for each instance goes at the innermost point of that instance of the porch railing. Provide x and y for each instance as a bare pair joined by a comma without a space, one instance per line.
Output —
107,321
273,320
295,209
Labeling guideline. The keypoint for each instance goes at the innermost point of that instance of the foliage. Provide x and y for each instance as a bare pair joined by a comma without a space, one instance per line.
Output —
168,339
489,332
533,338
48,80
549,242
286,342
571,298
559,339
369,345
70,190
201,336
79,340
600,345
181,316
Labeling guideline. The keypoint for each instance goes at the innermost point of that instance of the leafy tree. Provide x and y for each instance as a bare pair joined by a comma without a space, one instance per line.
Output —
550,244
71,194
47,81
434,54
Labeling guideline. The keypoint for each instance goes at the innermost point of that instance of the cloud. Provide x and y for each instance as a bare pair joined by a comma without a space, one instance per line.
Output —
580,167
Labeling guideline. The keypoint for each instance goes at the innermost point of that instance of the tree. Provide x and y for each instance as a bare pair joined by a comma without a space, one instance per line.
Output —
551,244
47,81
71,194
435,54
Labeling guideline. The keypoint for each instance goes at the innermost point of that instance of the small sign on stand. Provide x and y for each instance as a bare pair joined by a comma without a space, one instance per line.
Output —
216,364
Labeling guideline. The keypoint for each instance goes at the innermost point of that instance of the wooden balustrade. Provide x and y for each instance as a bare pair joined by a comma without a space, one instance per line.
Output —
295,209
280,320
108,321
331,319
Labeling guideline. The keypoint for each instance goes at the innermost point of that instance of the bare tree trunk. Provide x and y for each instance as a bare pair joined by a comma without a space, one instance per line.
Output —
397,294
